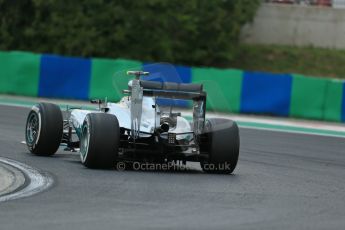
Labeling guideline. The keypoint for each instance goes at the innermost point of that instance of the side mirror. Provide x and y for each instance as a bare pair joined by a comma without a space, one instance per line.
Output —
101,104
96,101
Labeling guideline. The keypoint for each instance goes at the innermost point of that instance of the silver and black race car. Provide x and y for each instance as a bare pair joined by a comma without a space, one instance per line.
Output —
137,129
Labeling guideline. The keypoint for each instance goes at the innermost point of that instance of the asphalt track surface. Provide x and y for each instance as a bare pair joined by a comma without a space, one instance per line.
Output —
283,181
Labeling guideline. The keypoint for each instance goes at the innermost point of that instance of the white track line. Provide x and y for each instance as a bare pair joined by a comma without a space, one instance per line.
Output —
37,183
311,124
291,131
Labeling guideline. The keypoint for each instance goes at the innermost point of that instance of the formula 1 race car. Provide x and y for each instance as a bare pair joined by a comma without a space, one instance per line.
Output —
137,129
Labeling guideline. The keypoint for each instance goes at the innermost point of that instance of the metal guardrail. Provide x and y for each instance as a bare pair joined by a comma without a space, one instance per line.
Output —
338,4
327,3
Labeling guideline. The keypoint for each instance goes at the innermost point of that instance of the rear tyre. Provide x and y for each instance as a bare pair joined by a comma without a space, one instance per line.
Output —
99,142
222,145
44,128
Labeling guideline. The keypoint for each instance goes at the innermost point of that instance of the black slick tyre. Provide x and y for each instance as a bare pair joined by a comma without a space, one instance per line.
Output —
99,142
222,146
44,129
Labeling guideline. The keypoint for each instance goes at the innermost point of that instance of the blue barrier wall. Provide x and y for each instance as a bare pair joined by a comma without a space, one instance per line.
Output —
264,93
64,77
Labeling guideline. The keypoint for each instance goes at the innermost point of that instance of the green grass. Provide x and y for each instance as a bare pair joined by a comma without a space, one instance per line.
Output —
287,59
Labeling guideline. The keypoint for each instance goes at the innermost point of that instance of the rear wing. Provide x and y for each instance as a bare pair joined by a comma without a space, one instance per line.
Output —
173,90
139,88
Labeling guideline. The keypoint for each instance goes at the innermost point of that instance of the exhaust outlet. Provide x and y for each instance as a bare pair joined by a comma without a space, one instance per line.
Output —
164,127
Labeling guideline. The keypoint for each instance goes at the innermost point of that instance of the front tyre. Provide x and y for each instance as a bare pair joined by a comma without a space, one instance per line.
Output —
222,145
44,128
99,142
